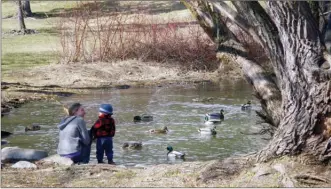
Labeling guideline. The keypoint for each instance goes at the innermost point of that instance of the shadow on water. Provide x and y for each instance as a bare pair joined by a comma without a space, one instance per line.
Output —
171,106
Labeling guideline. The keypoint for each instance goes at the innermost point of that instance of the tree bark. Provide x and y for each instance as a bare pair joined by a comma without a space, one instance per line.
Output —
27,8
299,102
305,99
20,16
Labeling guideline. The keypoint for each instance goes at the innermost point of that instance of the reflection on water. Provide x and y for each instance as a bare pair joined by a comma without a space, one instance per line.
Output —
171,106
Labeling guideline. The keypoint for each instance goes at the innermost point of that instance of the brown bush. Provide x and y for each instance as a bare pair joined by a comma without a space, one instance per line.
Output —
89,35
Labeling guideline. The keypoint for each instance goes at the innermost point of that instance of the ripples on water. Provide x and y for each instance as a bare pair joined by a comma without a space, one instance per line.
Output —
171,106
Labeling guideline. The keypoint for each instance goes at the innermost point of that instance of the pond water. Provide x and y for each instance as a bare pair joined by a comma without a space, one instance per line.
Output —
171,106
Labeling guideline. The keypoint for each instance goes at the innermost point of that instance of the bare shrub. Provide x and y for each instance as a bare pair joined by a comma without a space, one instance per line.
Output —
89,35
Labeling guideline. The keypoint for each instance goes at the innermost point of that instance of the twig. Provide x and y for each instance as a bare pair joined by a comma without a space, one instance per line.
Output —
306,177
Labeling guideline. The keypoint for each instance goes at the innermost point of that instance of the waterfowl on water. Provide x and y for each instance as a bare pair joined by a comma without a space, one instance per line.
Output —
214,118
210,131
33,127
132,145
143,117
5,134
163,130
246,106
174,154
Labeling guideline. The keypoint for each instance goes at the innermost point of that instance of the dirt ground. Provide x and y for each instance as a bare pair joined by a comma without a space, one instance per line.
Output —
231,172
129,72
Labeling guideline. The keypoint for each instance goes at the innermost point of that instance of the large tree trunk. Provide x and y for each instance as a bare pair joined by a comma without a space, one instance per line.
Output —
20,16
299,102
27,8
306,97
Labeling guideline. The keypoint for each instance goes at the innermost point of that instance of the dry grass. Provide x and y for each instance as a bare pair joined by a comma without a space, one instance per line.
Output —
188,174
88,35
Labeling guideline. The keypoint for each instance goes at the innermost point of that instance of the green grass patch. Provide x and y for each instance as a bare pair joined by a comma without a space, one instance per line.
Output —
16,61
36,24
30,43
9,8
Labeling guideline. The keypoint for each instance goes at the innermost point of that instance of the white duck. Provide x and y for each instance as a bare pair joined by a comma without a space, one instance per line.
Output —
175,154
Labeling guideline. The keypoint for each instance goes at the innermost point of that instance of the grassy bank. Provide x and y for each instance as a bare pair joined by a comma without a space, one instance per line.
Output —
231,172
22,52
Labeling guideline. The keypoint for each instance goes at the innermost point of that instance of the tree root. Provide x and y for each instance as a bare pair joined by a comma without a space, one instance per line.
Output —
326,153
308,179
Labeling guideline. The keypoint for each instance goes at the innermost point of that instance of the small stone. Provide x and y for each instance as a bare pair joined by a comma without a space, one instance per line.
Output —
140,166
57,159
14,154
280,168
24,165
121,166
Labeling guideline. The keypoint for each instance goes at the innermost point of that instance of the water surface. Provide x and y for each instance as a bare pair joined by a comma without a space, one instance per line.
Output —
171,106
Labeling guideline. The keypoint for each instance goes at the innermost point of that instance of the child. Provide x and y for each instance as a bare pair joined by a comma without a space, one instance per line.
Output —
104,131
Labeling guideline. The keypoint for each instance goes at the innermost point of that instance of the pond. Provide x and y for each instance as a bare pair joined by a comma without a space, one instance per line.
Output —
171,106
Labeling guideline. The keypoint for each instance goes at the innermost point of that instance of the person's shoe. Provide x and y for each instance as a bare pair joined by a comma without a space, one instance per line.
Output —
101,162
111,163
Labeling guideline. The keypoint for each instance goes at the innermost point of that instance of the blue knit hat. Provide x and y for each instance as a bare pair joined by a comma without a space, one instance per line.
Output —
106,108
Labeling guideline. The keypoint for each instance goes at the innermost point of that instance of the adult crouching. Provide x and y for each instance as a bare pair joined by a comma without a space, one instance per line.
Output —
74,139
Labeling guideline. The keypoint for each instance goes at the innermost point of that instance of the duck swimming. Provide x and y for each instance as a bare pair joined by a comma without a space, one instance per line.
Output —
209,131
132,145
246,106
174,154
143,117
5,134
163,130
214,118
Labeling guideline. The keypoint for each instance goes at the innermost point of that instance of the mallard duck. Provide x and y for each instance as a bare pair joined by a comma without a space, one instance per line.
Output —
33,127
174,154
163,130
132,145
3,142
246,106
210,131
143,117
5,134
214,118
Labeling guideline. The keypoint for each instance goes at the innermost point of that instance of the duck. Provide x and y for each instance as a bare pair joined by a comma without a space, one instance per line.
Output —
132,145
174,154
5,134
246,106
143,117
163,130
33,127
210,131
213,118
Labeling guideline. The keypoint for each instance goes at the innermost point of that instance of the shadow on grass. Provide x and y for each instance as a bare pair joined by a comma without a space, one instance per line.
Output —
14,61
112,7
